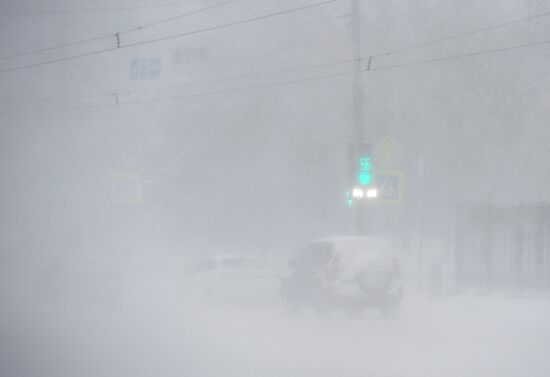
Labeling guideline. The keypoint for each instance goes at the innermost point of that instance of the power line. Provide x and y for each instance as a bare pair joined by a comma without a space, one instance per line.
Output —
368,69
72,57
236,78
457,36
174,36
46,110
179,86
164,20
82,41
204,94
117,34
96,10
55,99
259,86
452,57
245,21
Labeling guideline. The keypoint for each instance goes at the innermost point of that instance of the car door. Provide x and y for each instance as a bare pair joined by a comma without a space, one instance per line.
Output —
309,268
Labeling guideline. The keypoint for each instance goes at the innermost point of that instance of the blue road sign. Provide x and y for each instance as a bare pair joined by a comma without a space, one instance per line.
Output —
389,186
145,69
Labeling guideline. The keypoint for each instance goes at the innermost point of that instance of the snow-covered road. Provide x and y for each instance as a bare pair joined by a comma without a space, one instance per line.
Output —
465,335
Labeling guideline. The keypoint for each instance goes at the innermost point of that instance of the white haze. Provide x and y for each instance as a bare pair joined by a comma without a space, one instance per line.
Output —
90,286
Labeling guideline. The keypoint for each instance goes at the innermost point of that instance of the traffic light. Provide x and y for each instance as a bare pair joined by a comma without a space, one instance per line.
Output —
364,177
361,173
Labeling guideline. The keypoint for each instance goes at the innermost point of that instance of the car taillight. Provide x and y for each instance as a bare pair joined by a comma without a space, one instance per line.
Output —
396,267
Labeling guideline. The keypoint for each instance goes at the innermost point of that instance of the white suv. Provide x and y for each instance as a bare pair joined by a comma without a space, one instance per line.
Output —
351,273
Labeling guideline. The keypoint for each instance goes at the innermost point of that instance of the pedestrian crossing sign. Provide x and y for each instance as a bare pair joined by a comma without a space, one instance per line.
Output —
389,185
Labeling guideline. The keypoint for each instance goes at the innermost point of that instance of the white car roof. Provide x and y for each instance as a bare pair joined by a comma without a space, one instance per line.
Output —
355,242
221,257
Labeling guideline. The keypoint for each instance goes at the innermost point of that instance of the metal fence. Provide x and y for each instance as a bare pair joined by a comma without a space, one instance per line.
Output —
501,247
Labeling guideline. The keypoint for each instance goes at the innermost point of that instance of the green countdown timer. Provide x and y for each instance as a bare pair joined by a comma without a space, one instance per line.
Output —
365,171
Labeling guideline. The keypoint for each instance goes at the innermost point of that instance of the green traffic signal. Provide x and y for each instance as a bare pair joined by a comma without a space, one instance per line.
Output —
365,171
365,178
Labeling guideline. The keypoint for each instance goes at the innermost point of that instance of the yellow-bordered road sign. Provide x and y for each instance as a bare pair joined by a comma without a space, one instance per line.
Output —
387,151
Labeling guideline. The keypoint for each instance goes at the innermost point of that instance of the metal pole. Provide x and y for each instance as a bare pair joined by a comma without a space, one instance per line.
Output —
358,134
422,214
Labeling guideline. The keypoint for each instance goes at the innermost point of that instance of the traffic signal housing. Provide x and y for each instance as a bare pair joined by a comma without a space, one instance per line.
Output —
361,182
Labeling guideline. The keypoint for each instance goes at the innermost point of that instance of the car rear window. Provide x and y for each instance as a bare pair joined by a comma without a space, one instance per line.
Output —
319,253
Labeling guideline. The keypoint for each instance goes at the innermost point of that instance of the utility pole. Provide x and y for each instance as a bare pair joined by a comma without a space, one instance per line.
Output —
422,220
358,130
